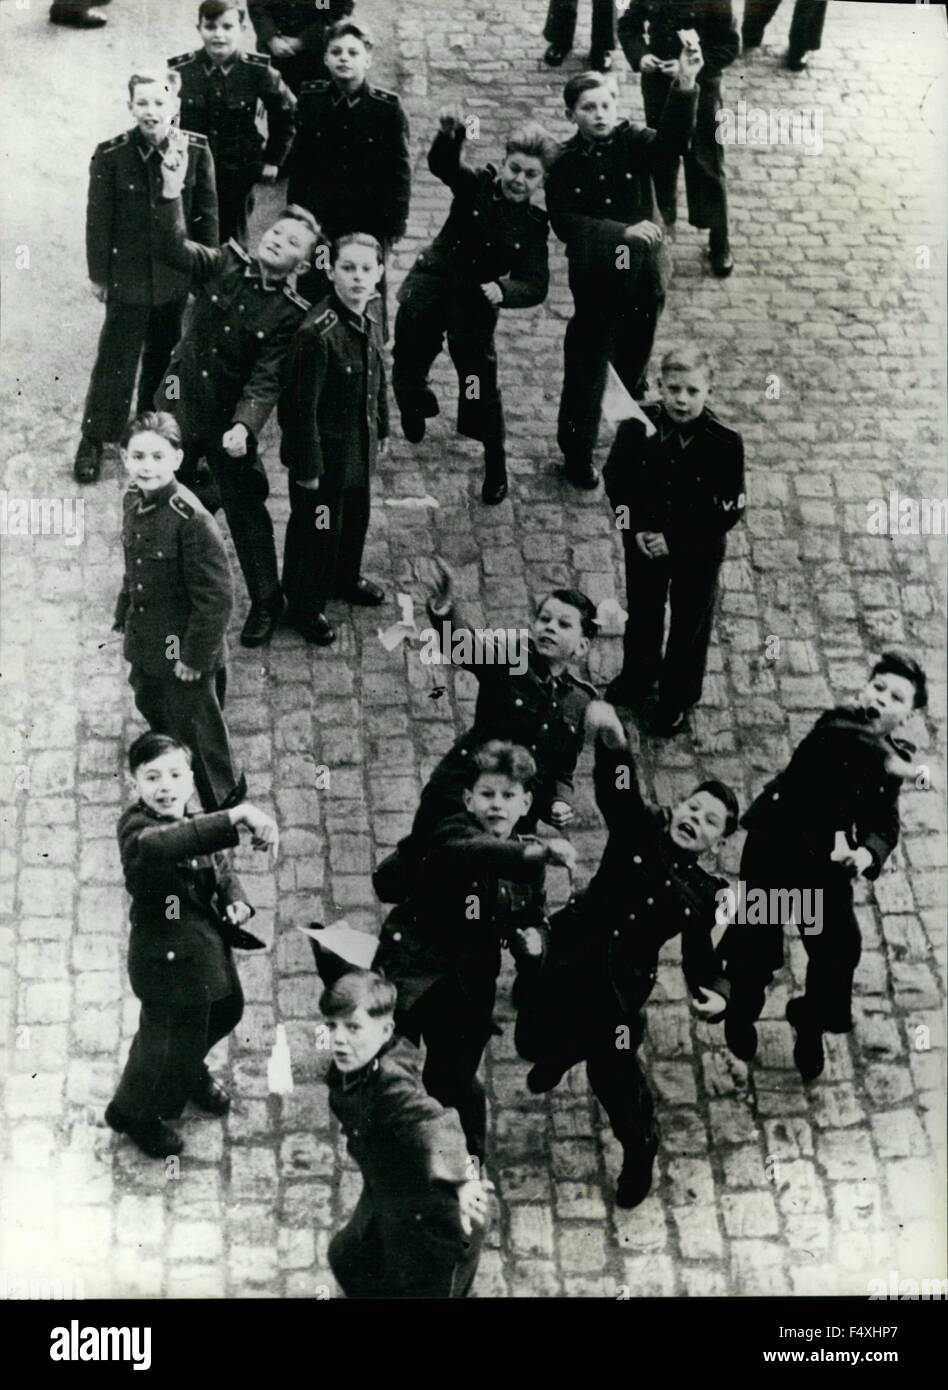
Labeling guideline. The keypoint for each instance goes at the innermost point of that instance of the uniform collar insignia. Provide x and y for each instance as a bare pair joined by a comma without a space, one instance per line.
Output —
149,500
255,271
144,148
338,96
225,68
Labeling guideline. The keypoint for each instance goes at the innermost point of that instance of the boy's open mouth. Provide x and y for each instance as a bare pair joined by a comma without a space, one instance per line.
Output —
687,829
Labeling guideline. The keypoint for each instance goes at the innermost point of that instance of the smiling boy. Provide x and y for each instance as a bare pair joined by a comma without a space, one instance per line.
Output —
225,376
830,817
144,297
586,1002
491,254
676,494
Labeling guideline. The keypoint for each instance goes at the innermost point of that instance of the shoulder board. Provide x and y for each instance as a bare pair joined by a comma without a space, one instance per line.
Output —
586,686
195,139
383,95
324,321
236,247
182,59
260,60
297,299
180,504
114,144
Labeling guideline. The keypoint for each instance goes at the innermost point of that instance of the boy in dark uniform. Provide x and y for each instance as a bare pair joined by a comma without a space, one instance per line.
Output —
293,33
334,416
830,817
560,31
806,28
491,254
350,163
417,1229
586,1002
655,57
480,885
225,375
144,297
187,911
174,606
601,203
222,92
676,494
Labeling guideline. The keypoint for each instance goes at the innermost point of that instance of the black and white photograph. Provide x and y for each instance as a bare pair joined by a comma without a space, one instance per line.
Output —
473,540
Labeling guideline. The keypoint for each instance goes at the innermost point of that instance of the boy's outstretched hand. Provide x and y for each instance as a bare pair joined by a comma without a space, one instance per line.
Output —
857,860
174,166
561,813
603,723
234,442
264,831
474,1203
561,852
451,119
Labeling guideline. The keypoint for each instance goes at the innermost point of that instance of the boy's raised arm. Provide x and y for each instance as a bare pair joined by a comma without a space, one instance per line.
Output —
444,157
171,243
461,847
615,778
144,843
210,586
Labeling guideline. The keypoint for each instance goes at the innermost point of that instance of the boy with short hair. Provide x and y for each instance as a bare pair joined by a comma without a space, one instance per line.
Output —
586,1003
491,254
225,376
174,606
417,1229
144,297
830,817
677,493
187,911
334,417
350,164
655,55
480,886
222,93
601,203
293,33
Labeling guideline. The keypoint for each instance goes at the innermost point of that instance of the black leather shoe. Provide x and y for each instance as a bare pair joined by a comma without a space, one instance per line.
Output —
79,19
581,474
543,1077
494,487
808,1053
262,621
153,1137
741,1038
318,630
553,57
88,464
365,594
600,62
796,62
494,490
413,426
722,262
209,1095
635,1179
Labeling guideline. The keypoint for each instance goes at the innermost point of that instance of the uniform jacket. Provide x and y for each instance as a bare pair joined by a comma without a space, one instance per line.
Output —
229,362
177,582
350,164
712,19
685,481
433,936
835,780
542,713
598,188
124,189
180,885
411,1151
334,410
645,891
223,103
485,238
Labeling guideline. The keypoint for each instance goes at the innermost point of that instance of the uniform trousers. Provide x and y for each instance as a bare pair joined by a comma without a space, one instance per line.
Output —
454,1020
754,953
192,712
692,580
235,203
404,1257
469,321
806,26
560,27
130,333
320,562
166,1059
240,486
609,324
705,187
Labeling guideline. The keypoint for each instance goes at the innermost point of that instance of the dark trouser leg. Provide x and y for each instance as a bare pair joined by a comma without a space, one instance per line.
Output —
167,1055
455,1029
806,27
832,956
618,1083
603,26
435,1260
243,491
585,361
234,205
560,27
190,712
753,951
633,335
705,185
419,337
694,590
480,415
646,589
757,15
357,1257
356,512
109,399
655,89
308,550
164,330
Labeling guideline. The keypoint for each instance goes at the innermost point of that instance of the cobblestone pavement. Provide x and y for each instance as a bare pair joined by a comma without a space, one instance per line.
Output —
762,1186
